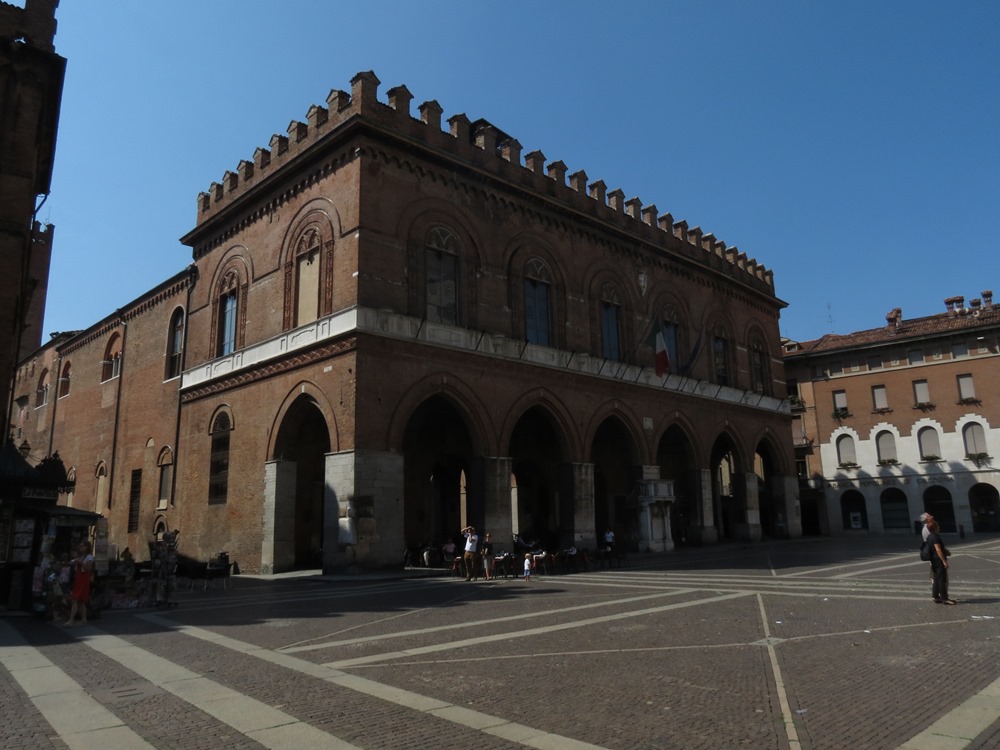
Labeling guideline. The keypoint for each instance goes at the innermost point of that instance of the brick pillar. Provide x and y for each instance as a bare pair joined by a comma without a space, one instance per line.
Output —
581,484
702,529
363,509
277,551
497,509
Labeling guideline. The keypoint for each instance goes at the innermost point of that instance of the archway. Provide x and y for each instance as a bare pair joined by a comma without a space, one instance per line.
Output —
853,511
730,515
301,446
616,489
541,508
984,502
773,522
437,464
675,457
895,510
937,502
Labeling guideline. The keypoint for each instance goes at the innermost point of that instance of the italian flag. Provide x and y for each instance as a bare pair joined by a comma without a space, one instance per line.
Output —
662,357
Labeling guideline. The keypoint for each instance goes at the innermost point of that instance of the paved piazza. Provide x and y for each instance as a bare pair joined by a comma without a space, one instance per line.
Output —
825,643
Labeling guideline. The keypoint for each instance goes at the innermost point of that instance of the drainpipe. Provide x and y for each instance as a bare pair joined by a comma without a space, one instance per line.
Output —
118,411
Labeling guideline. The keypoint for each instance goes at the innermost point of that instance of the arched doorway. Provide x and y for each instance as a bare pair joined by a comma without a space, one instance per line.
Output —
539,507
675,457
853,511
616,487
437,464
895,510
937,502
301,447
984,501
730,514
772,521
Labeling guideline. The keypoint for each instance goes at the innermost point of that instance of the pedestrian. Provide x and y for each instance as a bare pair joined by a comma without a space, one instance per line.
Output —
487,551
527,567
471,545
939,564
924,518
83,568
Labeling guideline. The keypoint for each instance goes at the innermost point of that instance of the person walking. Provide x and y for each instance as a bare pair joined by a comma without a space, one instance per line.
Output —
471,545
83,570
487,552
939,564
527,566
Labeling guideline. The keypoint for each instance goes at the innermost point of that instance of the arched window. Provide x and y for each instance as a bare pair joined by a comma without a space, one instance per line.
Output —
307,276
975,440
166,464
441,257
64,380
227,314
927,440
885,444
175,344
111,365
760,370
610,324
218,472
537,283
42,392
845,451
720,358
671,339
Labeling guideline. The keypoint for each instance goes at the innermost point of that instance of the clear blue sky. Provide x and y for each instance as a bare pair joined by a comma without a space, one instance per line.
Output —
852,147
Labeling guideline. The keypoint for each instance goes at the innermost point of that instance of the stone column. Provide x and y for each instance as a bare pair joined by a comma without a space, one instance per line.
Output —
785,491
278,533
363,509
581,480
748,528
497,506
703,530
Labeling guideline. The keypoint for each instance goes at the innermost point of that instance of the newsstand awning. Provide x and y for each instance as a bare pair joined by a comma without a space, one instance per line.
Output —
61,515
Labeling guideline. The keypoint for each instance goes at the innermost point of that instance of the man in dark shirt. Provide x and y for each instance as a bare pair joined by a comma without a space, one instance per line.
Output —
939,563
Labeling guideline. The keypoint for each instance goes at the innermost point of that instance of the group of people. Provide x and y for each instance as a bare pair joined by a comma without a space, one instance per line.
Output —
474,553
939,559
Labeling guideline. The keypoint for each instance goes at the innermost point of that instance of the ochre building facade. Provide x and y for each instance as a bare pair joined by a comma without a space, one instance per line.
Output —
892,421
394,326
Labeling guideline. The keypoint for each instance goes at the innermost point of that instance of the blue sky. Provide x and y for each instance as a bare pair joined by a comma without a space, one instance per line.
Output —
851,147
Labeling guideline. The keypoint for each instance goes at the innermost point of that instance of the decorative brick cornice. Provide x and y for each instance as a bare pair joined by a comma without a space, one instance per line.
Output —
269,369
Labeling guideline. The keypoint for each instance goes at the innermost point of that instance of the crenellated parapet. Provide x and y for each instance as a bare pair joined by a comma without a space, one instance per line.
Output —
482,146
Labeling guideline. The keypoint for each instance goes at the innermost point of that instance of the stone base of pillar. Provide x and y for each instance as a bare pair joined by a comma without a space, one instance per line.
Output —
703,535
749,532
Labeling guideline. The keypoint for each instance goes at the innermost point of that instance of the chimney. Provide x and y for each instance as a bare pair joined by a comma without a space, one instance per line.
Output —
988,299
894,318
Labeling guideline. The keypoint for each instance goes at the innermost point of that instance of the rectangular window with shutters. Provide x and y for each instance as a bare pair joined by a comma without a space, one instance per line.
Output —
840,404
134,495
921,393
966,390
880,400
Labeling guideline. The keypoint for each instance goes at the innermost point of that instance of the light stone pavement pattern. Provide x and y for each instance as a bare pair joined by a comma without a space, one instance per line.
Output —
827,643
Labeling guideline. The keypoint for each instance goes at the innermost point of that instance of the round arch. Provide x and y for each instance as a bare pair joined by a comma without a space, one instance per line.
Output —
853,511
938,502
984,502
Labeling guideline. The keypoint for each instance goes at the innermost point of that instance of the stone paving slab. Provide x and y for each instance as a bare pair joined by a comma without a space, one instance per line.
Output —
784,662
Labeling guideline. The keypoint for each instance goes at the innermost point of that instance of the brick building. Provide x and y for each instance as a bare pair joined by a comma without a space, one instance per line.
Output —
31,82
392,329
896,420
